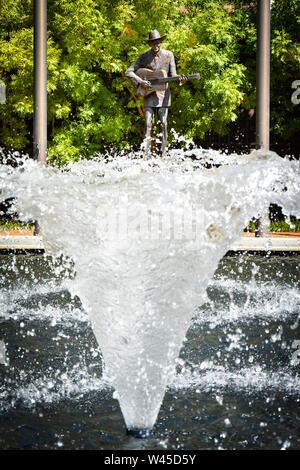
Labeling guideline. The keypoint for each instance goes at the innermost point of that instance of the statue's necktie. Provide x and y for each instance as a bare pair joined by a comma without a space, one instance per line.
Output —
155,59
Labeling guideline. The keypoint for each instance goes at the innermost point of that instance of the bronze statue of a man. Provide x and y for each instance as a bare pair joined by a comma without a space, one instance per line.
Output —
158,101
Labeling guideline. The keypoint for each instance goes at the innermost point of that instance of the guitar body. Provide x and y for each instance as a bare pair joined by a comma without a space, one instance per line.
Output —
159,80
147,74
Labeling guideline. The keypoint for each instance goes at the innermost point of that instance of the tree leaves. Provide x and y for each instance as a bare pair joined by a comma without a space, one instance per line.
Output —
92,42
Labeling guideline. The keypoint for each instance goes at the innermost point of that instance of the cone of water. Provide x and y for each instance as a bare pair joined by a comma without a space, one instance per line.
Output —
146,236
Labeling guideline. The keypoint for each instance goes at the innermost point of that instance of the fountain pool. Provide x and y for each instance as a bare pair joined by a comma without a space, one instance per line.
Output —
141,241
236,385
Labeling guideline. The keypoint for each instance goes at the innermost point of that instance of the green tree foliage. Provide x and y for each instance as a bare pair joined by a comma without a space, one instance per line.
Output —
284,61
285,67
92,42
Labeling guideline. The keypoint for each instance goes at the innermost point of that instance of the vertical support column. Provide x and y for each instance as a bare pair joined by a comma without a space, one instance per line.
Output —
263,75
40,87
263,93
40,81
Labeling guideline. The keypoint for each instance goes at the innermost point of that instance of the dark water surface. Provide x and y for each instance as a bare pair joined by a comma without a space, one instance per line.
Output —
237,383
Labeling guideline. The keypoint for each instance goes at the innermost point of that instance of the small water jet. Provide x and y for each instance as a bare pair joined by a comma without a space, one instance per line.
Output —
140,433
146,237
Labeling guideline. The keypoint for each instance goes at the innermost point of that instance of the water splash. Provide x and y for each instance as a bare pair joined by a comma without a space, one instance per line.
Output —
211,378
146,237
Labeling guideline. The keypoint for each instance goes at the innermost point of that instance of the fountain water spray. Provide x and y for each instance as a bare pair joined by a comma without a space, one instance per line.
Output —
146,237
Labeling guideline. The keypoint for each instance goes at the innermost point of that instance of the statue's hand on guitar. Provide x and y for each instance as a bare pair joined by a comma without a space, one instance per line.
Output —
182,79
145,84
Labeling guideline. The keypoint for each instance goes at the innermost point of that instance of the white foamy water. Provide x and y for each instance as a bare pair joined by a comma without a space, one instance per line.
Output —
209,377
72,384
16,304
146,237
78,382
248,302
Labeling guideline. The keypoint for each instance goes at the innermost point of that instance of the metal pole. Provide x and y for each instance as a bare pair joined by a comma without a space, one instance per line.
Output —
263,75
40,87
263,93
40,81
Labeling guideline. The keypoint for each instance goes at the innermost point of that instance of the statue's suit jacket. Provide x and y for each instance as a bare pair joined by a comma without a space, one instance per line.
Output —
165,61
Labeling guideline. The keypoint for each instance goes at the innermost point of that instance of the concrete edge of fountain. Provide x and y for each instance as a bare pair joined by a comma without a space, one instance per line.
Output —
21,243
272,243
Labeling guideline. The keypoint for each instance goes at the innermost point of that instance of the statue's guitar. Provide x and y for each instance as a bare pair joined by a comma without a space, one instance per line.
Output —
158,79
